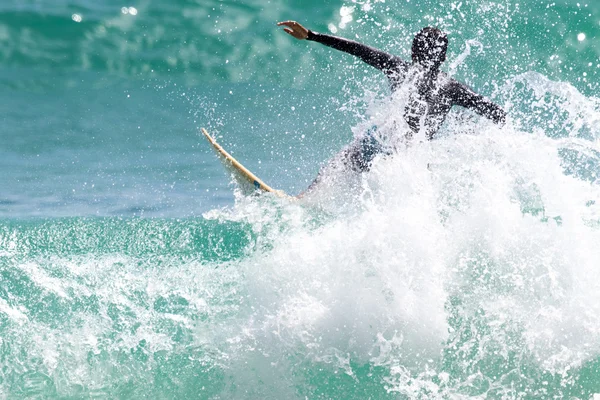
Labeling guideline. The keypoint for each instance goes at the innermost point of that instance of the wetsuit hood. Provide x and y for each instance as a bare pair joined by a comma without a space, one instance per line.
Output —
429,47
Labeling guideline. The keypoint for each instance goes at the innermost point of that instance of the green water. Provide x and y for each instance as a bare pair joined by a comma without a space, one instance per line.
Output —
465,267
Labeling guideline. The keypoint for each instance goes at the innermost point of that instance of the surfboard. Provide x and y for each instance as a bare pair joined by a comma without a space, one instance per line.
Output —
248,182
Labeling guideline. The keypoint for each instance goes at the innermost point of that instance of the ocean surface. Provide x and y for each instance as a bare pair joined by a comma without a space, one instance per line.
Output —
132,267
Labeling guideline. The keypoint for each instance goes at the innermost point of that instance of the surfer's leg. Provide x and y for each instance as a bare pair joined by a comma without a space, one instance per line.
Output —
361,154
311,186
323,171
340,160
356,157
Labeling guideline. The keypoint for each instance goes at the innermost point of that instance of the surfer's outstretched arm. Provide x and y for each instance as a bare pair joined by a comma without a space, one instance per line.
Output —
465,97
374,57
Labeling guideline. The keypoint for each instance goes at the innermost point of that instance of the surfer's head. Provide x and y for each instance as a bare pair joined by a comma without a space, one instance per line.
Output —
429,47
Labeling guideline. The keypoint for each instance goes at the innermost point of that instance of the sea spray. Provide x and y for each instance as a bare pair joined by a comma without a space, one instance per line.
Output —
464,267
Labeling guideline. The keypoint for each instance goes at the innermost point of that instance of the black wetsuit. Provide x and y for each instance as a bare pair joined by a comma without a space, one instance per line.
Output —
429,103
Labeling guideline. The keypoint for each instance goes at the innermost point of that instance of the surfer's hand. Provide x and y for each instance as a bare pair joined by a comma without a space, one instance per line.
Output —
294,29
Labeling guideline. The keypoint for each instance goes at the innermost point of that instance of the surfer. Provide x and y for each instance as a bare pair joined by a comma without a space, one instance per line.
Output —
433,92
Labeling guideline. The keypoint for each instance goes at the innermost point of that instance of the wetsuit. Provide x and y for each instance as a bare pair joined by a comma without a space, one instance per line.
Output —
434,95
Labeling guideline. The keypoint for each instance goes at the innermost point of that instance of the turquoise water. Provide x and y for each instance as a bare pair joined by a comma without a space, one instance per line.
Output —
130,267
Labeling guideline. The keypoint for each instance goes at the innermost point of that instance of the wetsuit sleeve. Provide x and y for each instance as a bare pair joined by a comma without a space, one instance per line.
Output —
465,97
376,58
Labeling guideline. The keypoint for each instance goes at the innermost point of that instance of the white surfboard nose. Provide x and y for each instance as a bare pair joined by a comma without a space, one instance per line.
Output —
248,182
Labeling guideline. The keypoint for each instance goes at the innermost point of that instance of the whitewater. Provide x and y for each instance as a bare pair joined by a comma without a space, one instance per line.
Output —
131,266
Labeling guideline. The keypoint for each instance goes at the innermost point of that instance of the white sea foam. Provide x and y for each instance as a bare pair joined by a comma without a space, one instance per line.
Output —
15,315
488,216
442,262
